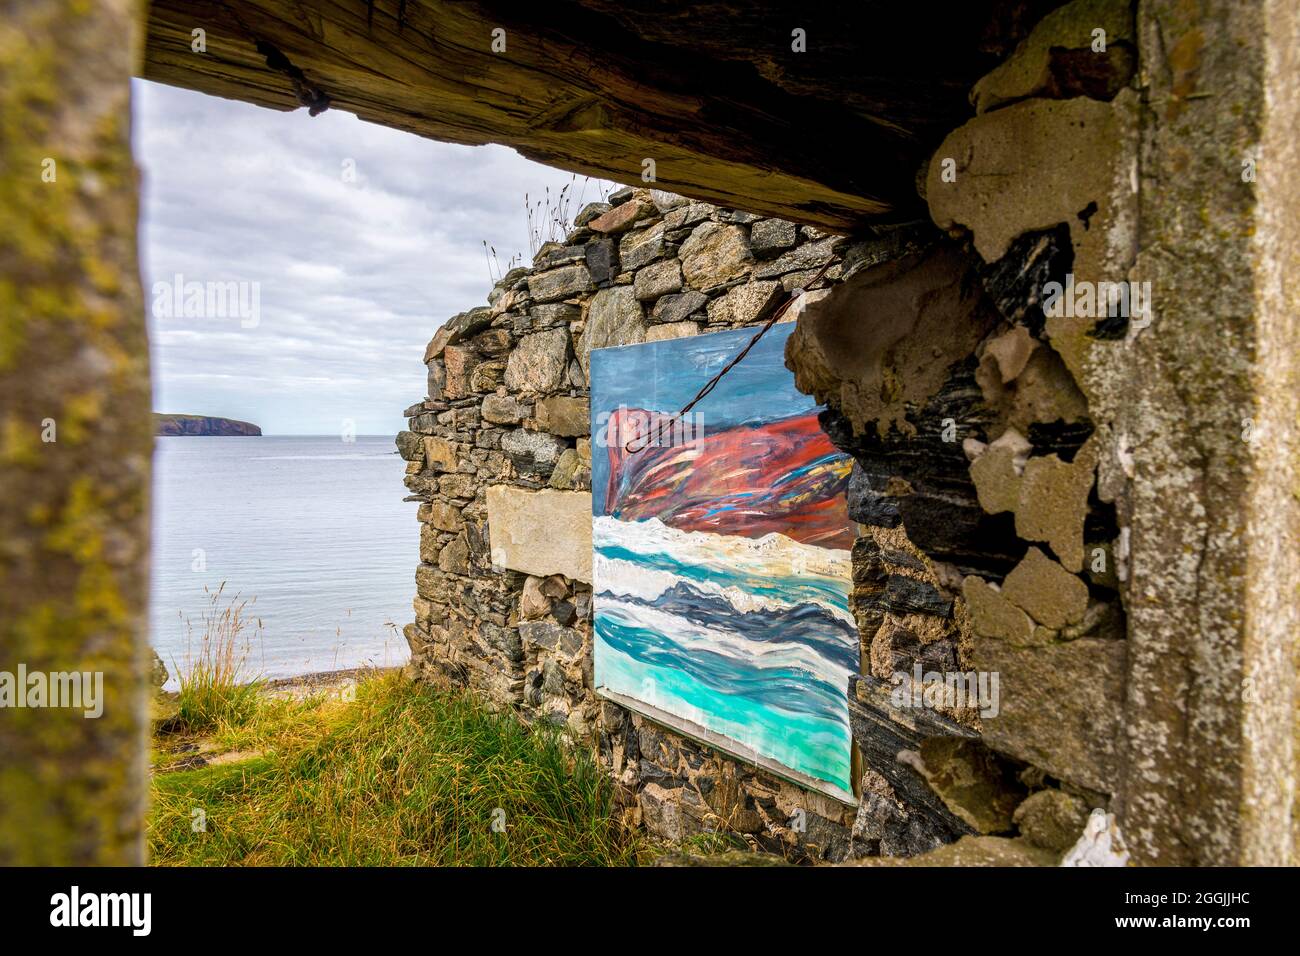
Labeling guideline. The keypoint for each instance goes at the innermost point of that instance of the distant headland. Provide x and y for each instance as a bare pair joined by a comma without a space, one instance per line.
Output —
201,425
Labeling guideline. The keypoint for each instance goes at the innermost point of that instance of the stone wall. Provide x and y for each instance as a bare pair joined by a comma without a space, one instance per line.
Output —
499,457
1052,487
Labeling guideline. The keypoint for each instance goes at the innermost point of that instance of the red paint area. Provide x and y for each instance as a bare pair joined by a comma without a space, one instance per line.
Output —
750,480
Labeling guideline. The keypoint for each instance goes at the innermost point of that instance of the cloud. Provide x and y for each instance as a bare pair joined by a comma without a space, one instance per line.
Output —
359,241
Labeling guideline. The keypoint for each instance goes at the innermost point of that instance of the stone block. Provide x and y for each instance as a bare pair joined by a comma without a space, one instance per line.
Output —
713,254
614,317
410,446
768,236
811,256
442,515
560,283
658,279
539,364
747,303
1060,706
621,218
591,211
532,453
602,261
642,247
504,410
440,454
540,532
565,415
460,362
677,308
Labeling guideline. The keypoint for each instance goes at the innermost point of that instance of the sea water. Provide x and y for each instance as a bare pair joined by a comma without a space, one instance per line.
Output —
312,529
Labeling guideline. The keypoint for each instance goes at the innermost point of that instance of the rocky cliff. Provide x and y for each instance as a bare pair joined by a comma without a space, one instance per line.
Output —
201,425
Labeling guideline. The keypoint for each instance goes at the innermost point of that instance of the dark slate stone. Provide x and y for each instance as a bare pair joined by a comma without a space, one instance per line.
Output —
480,552
870,506
564,612
552,679
901,559
503,639
1015,282
881,731
653,773
924,484
906,594
826,840
602,261
543,634
551,636
678,307
591,211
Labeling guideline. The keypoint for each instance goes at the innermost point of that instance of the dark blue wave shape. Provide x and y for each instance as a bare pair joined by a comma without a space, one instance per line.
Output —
807,624
661,561
790,688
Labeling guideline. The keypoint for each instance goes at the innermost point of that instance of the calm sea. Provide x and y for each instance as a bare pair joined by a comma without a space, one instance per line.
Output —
313,528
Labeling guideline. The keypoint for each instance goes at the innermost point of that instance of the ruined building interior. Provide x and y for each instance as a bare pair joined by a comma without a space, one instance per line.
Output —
1035,256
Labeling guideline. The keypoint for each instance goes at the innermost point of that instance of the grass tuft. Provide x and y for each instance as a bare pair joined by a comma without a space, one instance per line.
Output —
215,684
404,775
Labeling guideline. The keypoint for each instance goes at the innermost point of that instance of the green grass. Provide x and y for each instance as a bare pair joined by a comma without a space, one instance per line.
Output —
403,775
215,686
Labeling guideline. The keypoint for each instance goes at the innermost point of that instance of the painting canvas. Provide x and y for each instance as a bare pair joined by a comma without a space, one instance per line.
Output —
722,553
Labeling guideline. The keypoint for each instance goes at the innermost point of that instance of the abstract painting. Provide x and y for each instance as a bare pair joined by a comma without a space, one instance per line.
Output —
722,553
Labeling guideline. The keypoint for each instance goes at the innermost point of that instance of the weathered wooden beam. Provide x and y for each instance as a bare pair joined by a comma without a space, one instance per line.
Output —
714,94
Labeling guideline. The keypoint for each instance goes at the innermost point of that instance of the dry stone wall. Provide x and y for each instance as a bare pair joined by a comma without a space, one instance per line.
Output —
499,457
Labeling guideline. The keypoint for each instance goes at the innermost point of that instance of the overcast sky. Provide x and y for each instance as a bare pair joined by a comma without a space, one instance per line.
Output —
352,278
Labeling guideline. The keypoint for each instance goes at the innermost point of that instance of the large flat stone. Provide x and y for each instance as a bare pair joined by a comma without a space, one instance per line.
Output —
677,308
1059,706
540,532
637,249
658,279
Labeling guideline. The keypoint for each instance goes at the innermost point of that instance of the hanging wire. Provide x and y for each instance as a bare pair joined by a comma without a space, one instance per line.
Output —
654,437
